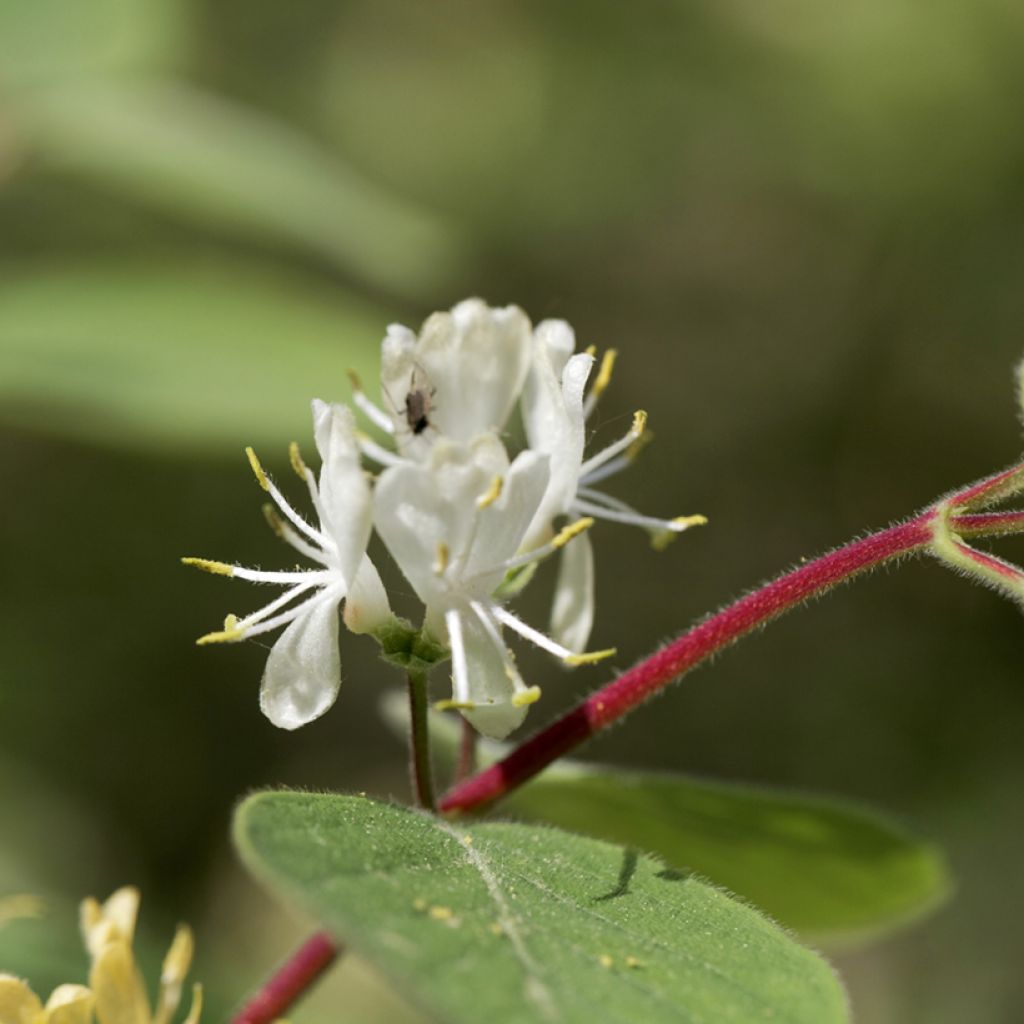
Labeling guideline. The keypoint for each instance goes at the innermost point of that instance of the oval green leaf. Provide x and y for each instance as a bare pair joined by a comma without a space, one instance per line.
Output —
834,871
522,924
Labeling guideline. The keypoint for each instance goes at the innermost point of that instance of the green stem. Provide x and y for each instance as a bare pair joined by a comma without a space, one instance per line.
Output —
420,769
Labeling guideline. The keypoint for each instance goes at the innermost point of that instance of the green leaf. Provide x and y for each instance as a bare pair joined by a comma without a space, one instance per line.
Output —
835,872
523,924
214,162
191,356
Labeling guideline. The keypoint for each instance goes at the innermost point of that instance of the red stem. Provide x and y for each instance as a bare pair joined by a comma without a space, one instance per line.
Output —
635,686
291,981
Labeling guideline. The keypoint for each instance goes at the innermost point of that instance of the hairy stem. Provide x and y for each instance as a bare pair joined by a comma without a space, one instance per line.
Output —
653,674
290,981
420,769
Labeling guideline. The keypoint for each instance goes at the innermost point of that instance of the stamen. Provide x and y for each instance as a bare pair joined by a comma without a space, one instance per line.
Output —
377,452
545,643
507,657
627,515
267,610
295,457
327,595
591,350
217,568
492,493
224,636
460,671
567,533
284,532
662,539
441,558
590,657
454,705
274,521
524,697
377,416
601,382
315,577
636,431
261,477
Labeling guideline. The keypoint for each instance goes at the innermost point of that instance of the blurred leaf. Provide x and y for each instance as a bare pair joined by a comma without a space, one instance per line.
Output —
830,870
173,355
218,163
518,924
46,40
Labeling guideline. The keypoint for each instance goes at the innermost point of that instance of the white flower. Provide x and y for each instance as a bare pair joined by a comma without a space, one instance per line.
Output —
454,524
554,414
459,378
303,671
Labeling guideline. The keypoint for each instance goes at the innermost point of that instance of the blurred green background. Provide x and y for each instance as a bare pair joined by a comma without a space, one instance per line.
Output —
801,225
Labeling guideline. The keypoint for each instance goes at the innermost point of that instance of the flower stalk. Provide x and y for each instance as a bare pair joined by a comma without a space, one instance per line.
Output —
420,768
291,981
926,532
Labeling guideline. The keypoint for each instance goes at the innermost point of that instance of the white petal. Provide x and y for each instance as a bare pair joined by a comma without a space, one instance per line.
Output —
502,525
344,491
489,685
366,606
303,670
559,339
572,614
397,362
418,507
476,359
554,421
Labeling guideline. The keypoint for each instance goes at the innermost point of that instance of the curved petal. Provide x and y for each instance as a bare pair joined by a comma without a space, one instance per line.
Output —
366,606
113,919
18,1003
554,421
572,613
344,491
502,524
490,687
118,987
476,359
69,1004
303,670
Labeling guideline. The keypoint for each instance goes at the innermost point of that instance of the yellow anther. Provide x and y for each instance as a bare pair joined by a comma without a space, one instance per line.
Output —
261,477
230,623
217,568
492,494
567,533
274,521
441,557
179,957
604,375
442,913
606,961
591,350
454,705
526,697
295,457
639,423
353,379
222,636
590,657
639,445
685,522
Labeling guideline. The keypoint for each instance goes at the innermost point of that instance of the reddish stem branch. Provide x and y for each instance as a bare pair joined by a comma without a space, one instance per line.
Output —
291,981
635,686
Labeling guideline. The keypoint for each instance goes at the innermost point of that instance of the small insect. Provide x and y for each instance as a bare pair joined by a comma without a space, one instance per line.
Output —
418,403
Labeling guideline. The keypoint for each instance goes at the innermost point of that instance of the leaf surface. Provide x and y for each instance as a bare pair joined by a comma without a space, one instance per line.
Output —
522,924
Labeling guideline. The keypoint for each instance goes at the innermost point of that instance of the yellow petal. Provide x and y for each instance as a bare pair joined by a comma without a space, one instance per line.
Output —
18,1003
118,986
176,965
70,1004
115,919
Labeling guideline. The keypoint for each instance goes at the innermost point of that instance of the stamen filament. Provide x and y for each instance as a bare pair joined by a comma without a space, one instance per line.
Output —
374,451
460,671
279,602
603,456
374,413
603,379
677,525
289,536
326,595
545,643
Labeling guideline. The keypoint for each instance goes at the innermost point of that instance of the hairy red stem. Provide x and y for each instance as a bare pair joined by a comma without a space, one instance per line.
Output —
290,981
641,682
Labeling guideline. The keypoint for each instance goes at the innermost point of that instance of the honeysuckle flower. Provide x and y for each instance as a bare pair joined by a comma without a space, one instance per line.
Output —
116,993
454,525
555,410
303,671
459,378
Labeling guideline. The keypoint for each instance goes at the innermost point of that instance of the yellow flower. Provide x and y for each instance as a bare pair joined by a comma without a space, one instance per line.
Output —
116,992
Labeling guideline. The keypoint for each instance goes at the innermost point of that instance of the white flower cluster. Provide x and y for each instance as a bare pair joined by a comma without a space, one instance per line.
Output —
465,523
